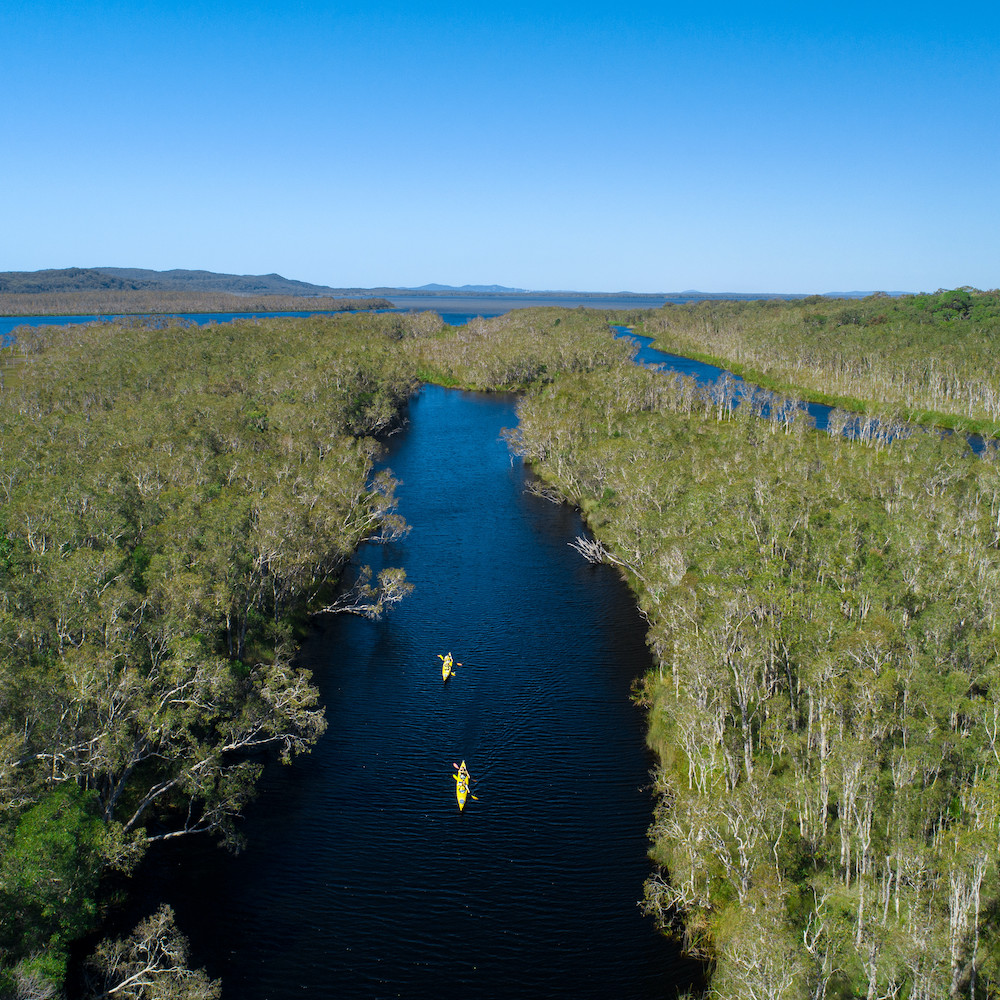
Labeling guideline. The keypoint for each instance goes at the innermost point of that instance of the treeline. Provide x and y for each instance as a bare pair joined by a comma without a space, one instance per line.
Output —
932,358
825,705
155,301
172,501
520,348
68,279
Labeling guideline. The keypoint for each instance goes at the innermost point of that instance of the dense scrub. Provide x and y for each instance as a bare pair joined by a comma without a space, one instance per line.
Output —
827,693
933,357
520,348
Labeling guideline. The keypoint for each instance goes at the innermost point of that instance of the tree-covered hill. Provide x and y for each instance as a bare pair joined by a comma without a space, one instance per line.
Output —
136,278
132,291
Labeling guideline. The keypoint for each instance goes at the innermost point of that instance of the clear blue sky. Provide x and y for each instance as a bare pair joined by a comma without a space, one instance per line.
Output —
611,146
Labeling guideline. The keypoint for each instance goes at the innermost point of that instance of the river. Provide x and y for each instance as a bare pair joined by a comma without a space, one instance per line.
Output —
362,878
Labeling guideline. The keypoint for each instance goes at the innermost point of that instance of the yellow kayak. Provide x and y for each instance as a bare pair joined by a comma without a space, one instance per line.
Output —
447,666
462,785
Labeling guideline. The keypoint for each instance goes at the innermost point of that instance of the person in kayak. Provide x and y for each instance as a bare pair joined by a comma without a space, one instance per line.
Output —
447,665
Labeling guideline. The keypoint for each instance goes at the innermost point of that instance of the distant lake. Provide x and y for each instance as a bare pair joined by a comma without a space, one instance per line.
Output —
455,310
496,305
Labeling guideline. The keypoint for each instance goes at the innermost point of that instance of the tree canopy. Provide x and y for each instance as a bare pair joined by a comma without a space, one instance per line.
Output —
825,701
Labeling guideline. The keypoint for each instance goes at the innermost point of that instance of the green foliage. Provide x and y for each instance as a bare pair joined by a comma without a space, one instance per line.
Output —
49,873
954,304
518,349
173,499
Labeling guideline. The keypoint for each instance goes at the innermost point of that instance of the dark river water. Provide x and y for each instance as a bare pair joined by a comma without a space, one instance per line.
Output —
361,877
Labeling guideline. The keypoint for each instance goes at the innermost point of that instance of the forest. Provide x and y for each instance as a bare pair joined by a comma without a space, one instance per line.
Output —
823,615
177,501
174,499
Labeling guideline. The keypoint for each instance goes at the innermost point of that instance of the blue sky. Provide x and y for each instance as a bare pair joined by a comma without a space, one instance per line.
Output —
629,146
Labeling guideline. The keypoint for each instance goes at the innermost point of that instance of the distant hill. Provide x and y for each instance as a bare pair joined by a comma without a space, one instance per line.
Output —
67,279
79,279
481,289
